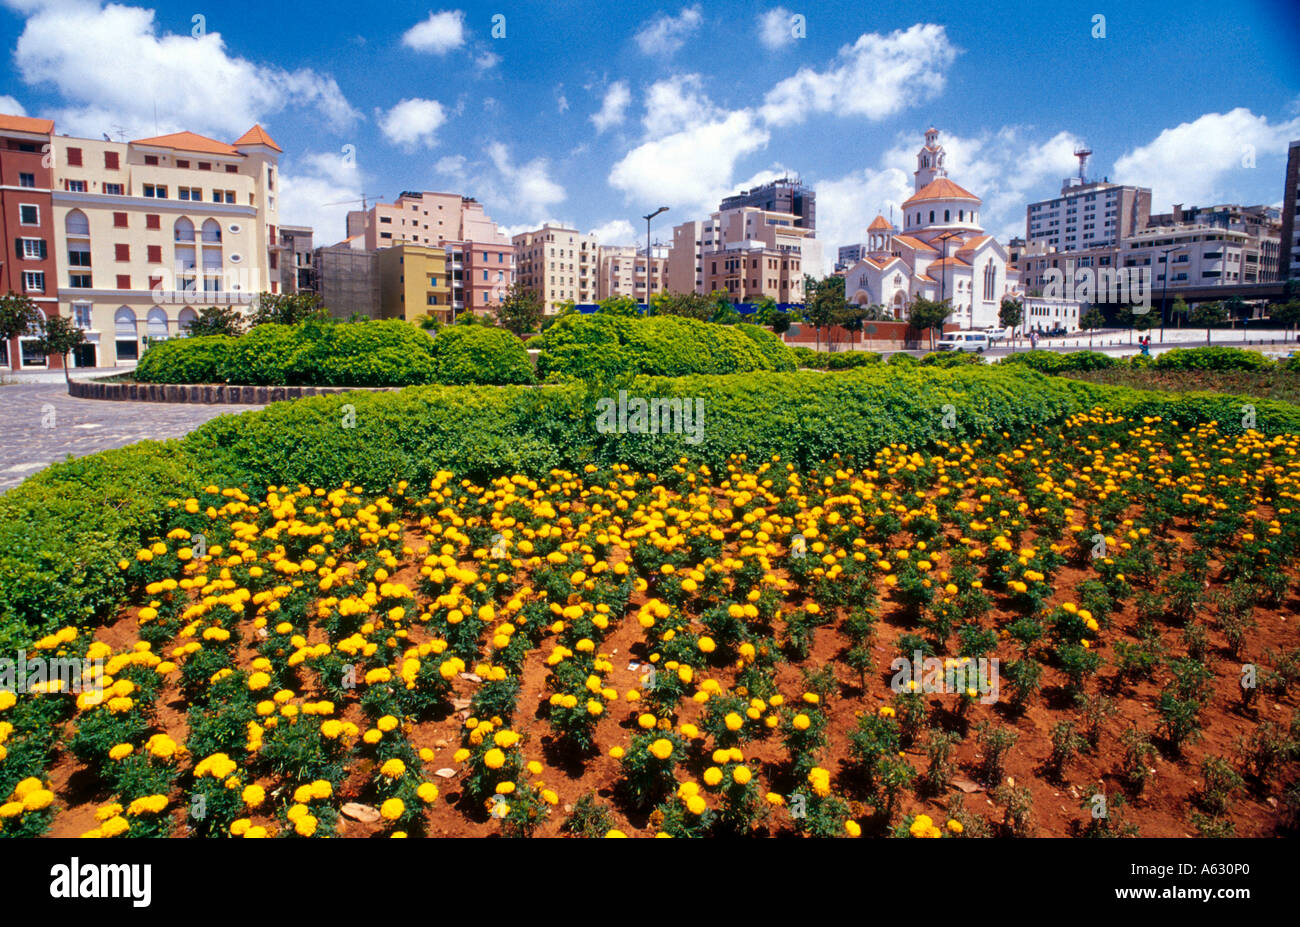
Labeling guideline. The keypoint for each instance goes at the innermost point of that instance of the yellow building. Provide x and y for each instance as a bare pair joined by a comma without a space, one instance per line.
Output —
413,281
149,232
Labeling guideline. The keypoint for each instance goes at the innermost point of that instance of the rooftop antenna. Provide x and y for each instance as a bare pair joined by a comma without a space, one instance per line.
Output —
1082,154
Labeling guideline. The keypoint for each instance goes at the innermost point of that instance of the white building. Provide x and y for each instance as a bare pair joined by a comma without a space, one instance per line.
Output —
941,253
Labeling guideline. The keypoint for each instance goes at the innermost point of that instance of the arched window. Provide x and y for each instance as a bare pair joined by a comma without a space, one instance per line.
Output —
157,323
947,215
211,231
990,279
76,224
184,229
931,215
961,215
128,348
187,317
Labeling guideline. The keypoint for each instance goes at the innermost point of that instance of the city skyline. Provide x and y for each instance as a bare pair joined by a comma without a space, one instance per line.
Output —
589,116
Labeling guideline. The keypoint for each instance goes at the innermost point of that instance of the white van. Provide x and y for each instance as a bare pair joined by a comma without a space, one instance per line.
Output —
965,341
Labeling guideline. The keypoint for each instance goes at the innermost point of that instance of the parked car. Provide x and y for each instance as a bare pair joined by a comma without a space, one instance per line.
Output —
965,341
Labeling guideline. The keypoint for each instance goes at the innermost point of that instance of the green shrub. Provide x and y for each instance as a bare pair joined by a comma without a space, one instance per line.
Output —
327,353
834,360
950,359
1057,362
468,354
185,360
602,347
902,359
1212,358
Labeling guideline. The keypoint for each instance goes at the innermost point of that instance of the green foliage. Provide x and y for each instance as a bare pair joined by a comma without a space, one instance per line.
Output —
479,354
1058,362
287,308
217,320
520,310
1212,358
320,353
185,360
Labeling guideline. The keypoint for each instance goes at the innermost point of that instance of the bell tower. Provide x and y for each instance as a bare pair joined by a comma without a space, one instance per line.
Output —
929,160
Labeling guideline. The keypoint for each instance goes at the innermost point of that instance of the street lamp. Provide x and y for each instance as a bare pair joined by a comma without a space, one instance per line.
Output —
649,258
1164,296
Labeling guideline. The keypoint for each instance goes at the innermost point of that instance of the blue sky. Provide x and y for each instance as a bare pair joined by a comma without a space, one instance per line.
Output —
593,113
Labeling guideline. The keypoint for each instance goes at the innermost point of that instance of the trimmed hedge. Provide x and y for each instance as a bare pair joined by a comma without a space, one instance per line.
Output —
833,360
1054,361
603,347
951,359
63,530
185,360
1212,358
468,354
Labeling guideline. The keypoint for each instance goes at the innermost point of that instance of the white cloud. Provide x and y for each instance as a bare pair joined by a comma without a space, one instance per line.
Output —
413,122
665,34
775,28
876,76
530,188
846,206
318,190
690,169
438,34
114,67
11,107
451,166
677,103
561,102
615,232
486,60
1199,162
613,108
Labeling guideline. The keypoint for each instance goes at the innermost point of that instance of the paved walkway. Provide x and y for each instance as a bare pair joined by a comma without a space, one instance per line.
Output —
42,424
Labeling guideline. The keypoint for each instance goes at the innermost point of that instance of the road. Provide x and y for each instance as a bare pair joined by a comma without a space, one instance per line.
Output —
42,424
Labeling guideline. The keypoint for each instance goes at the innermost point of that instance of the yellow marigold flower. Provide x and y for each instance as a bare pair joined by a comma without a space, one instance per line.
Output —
712,776
460,755
253,795
853,828
305,826
115,826
662,748
387,723
696,805
40,798
393,768
742,775
802,722
955,826
121,751
494,759
616,833
11,809
392,809
733,721
428,792
616,752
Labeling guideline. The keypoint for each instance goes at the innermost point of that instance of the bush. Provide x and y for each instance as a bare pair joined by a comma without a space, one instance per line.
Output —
902,359
324,353
477,354
834,360
950,359
1057,362
771,346
185,360
1212,358
603,347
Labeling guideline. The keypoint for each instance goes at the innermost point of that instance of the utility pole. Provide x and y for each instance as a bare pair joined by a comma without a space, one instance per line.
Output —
649,258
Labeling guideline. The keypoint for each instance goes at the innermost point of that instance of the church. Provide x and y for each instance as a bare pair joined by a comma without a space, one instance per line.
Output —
940,253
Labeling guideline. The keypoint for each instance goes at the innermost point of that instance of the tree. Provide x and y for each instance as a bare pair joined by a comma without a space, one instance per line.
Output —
1286,314
1235,308
59,335
620,305
1131,319
217,320
287,308
1010,314
19,315
1179,309
1206,316
1091,320
521,310
852,319
686,305
928,314
823,302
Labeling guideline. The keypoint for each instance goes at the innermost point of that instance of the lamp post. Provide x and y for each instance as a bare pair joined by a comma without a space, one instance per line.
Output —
649,258
1164,296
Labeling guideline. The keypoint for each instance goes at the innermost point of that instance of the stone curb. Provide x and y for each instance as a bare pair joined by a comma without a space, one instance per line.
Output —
207,393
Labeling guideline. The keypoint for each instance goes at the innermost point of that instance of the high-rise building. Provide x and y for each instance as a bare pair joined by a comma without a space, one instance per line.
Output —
480,257
1289,258
746,252
1088,213
27,215
559,264
786,195
622,272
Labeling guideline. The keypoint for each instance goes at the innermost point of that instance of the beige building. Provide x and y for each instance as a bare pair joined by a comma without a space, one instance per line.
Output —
746,252
560,264
623,272
151,231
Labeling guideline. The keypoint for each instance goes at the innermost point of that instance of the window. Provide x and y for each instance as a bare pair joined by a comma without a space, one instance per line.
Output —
157,192
151,160
232,168
121,252
76,186
113,189
29,214
119,220
110,160
81,315
31,356
124,328
181,162
33,281
212,231
79,281
74,157
190,194
152,221
205,165
78,255
230,197
32,249
270,178
154,254
184,229
124,281
26,180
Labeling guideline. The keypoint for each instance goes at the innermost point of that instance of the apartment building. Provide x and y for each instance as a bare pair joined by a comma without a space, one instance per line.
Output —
297,275
413,282
560,264
785,195
746,252
1088,214
623,270
480,257
1289,255
1201,255
149,232
1263,224
347,278
27,261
